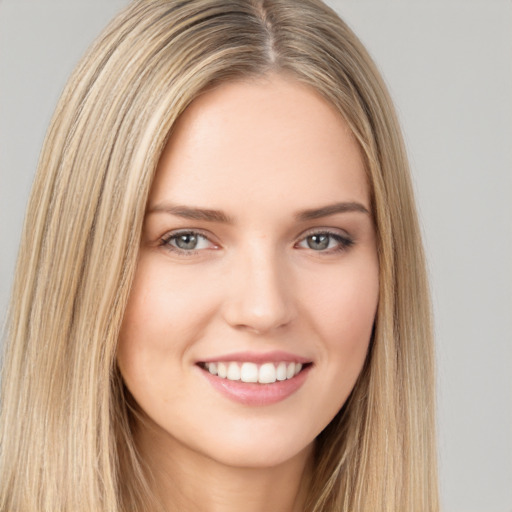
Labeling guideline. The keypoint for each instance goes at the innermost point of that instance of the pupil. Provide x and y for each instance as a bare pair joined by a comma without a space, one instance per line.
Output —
186,241
318,242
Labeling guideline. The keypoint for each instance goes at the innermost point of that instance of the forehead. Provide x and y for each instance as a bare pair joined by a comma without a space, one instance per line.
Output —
271,139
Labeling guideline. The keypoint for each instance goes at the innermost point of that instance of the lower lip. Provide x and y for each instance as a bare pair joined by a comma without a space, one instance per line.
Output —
249,393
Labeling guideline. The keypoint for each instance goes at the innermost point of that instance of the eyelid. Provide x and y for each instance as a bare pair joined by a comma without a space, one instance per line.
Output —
325,230
165,241
345,240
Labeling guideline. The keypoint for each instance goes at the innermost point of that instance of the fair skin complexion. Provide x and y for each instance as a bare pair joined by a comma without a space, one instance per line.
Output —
258,248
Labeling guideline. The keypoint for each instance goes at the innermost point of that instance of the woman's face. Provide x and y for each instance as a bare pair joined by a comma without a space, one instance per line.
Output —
257,284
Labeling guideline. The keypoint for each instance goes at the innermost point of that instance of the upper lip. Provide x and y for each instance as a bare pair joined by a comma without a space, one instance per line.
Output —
275,356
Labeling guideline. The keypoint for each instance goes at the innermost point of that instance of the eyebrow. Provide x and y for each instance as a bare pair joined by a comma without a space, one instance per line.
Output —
208,215
332,209
192,213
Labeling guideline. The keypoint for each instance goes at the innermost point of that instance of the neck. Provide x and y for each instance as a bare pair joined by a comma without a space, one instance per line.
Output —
185,480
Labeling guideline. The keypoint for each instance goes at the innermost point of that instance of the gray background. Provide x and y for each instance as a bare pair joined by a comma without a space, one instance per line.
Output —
449,67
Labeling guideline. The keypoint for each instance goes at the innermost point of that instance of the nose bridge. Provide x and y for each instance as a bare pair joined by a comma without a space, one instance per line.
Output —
260,298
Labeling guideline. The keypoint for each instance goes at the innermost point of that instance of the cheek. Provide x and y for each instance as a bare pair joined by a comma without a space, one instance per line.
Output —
159,323
344,310
164,301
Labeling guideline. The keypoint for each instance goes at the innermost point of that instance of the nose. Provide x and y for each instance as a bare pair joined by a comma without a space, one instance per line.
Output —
259,295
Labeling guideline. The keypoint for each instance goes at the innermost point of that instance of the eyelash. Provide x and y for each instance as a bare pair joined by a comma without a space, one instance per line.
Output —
166,242
343,242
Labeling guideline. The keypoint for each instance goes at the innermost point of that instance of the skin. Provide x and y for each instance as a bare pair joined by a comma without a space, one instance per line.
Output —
258,151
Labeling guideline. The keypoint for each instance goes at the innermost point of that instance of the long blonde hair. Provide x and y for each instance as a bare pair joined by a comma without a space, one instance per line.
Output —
65,437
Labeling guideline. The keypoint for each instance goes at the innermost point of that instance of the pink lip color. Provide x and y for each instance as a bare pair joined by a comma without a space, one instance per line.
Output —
275,356
257,394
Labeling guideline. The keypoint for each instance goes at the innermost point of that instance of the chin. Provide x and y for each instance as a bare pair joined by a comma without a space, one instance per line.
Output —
258,447
252,455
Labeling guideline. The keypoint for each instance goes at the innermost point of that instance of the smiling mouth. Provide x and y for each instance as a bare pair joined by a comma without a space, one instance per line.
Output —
266,373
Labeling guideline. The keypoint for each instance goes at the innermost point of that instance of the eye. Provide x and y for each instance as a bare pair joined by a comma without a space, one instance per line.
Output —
187,241
325,241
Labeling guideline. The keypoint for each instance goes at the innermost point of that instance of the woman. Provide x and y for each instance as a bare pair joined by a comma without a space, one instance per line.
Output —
220,300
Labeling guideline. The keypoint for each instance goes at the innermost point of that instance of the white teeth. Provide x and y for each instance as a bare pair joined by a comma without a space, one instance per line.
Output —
222,370
281,371
266,373
233,371
249,372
